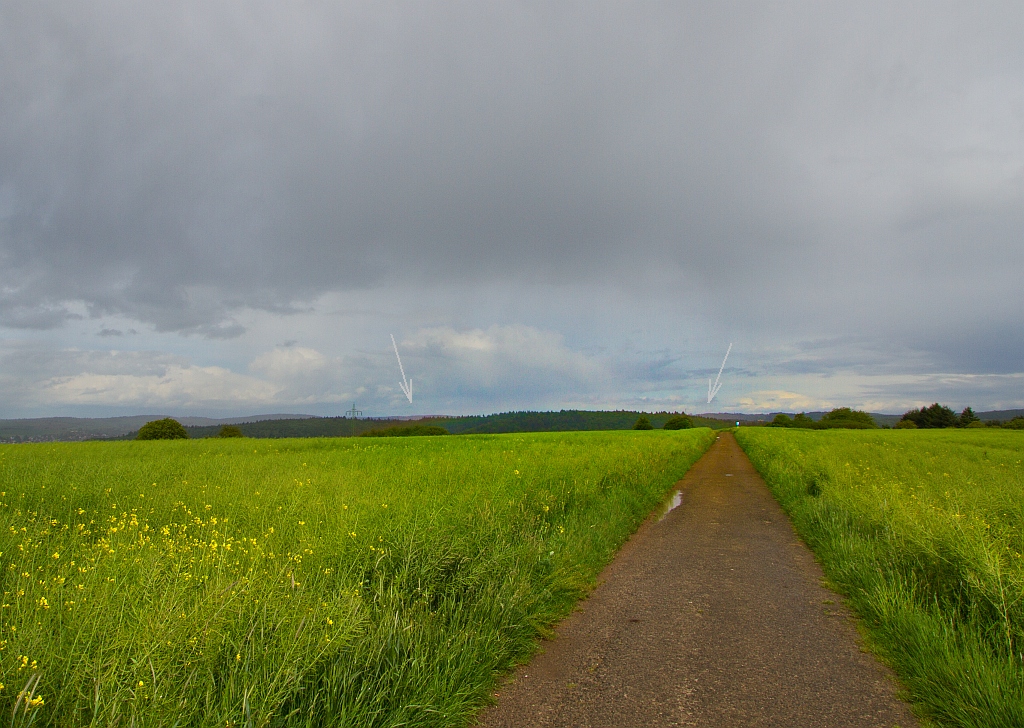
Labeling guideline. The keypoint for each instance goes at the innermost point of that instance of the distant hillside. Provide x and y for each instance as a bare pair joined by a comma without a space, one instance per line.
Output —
564,421
735,417
51,429
1000,415
307,427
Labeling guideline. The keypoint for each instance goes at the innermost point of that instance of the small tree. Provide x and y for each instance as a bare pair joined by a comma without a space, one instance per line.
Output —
679,422
905,425
642,423
802,420
230,431
968,418
781,420
932,417
165,429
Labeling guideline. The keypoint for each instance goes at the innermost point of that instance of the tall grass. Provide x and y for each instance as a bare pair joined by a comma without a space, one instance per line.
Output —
924,532
302,582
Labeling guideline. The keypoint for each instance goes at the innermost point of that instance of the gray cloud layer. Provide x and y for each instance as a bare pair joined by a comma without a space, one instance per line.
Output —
791,170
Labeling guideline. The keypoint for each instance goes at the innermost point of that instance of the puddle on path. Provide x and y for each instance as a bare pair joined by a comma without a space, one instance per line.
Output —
671,504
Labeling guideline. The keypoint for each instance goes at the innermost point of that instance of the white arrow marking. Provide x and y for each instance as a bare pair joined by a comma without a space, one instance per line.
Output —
712,391
405,385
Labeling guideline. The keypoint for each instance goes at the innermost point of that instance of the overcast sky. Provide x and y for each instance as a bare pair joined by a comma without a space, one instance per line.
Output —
220,207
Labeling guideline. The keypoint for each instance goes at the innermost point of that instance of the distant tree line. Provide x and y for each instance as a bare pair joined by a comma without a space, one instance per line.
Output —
569,420
939,416
562,421
411,431
842,418
932,417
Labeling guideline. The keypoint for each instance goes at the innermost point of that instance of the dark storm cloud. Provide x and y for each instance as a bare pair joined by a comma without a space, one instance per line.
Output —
827,170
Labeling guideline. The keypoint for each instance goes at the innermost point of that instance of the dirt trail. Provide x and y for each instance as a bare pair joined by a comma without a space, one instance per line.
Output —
711,616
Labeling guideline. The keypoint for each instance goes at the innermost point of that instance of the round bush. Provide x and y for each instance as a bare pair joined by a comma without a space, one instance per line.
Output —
680,422
165,429
230,431
642,423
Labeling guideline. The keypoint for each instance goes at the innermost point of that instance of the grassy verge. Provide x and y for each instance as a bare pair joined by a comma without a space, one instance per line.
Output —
302,582
924,532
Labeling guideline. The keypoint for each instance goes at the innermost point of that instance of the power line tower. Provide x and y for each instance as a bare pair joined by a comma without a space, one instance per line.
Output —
354,414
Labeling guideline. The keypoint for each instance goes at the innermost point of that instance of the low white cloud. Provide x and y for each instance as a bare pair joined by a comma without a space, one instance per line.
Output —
178,387
36,380
286,363
892,393
778,399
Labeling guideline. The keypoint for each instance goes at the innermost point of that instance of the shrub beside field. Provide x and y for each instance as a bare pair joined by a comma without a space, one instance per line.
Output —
924,532
302,582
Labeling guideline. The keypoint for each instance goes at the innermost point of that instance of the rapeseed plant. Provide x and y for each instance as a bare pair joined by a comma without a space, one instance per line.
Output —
924,532
197,583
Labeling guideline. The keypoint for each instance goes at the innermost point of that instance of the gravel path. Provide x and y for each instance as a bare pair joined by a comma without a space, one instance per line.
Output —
713,615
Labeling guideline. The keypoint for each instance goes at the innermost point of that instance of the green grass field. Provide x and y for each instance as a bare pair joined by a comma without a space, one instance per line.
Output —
303,582
923,531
